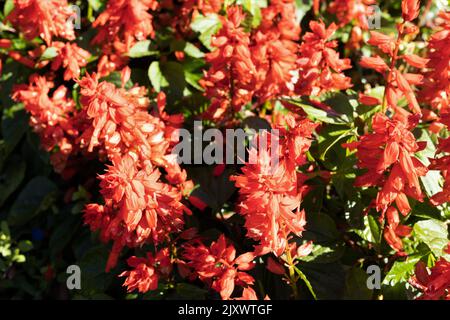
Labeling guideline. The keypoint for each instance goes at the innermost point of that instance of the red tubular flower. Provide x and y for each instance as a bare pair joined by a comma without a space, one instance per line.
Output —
231,78
352,10
271,194
71,57
320,66
274,51
138,207
393,230
147,271
410,9
436,88
55,119
124,22
121,124
443,164
46,19
217,266
391,146
390,149
397,84
435,283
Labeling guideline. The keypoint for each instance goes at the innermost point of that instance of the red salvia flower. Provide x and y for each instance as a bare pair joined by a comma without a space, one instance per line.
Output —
434,283
231,78
218,265
443,164
147,271
124,22
352,10
410,9
71,57
320,65
436,87
54,118
397,84
43,18
388,156
271,194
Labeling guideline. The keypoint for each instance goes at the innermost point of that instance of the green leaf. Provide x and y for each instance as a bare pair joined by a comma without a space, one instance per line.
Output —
401,271
25,245
96,4
303,6
330,136
372,230
356,285
4,228
33,199
49,54
63,234
156,77
214,191
327,279
193,78
254,8
432,180
207,26
321,228
344,104
193,51
329,116
190,292
433,233
8,7
143,48
94,279
11,178
306,281
324,254
173,72
14,126
116,79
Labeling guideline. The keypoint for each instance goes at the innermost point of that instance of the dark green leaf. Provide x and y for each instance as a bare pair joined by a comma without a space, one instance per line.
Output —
33,199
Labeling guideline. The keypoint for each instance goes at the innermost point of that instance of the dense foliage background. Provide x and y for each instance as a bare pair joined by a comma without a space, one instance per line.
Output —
44,191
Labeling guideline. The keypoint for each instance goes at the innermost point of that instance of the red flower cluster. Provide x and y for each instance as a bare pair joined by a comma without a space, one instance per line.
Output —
120,26
435,284
388,154
147,271
354,12
271,192
54,118
348,11
320,66
218,266
71,57
398,84
124,22
138,207
436,86
443,164
252,69
46,19
268,62
232,75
